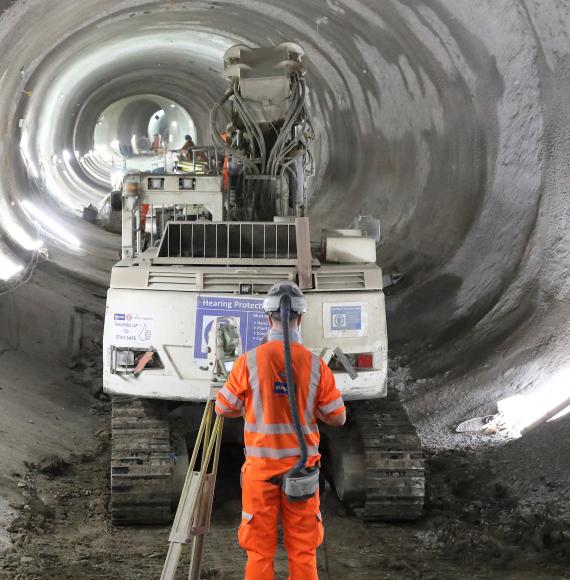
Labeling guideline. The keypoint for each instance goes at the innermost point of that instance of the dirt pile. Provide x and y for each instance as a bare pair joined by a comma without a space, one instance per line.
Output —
484,514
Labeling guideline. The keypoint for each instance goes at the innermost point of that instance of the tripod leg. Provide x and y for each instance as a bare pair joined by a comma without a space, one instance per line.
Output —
189,500
203,516
171,563
200,524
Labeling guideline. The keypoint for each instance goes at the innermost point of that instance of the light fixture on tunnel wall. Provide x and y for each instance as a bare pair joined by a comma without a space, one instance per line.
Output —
25,151
20,235
8,267
550,402
50,225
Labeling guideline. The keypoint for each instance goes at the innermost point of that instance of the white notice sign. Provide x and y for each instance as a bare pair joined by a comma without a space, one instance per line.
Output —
131,329
345,319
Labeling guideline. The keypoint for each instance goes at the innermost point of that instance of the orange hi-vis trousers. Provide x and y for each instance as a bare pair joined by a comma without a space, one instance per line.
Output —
302,529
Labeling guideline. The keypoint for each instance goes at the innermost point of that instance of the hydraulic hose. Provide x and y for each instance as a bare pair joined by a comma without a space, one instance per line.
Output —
285,308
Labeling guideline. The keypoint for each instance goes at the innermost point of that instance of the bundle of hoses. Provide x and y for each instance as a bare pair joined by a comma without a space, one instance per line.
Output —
300,482
288,147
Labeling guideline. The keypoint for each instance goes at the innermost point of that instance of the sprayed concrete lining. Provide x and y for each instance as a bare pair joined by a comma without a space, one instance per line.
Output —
448,120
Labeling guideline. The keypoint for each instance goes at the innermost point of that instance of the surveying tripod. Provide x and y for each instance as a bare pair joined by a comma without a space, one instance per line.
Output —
194,511
192,518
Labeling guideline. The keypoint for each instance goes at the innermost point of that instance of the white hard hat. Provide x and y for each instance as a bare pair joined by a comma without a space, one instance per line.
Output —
272,302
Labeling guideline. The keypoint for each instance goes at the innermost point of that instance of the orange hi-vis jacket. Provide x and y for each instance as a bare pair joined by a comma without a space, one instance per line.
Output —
258,382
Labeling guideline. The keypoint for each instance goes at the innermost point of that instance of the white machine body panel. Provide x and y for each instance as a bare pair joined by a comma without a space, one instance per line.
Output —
165,321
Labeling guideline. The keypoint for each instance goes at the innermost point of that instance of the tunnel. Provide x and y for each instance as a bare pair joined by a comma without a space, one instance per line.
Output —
448,121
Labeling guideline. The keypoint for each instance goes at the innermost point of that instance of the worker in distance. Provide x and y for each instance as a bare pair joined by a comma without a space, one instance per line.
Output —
281,388
187,147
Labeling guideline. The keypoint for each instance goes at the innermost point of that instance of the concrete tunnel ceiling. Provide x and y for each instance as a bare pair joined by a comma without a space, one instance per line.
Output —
447,120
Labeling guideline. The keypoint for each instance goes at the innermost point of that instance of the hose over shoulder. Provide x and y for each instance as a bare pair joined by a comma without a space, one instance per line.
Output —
291,387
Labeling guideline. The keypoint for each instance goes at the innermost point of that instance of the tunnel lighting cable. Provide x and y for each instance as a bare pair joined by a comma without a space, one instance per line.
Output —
50,225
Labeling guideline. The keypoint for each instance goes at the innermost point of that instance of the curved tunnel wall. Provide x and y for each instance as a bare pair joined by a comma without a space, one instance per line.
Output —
447,120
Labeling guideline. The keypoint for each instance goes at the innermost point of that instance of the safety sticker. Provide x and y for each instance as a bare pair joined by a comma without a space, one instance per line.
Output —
249,311
280,387
345,319
132,329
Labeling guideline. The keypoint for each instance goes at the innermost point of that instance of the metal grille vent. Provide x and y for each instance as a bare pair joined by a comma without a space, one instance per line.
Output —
351,280
228,240
230,282
216,280
172,280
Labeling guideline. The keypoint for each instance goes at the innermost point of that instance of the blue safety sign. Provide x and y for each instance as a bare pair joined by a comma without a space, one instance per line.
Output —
253,323
346,317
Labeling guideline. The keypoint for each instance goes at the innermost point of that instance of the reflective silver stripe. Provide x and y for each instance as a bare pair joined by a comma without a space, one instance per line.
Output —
314,383
246,516
254,384
332,406
235,401
278,428
272,453
224,405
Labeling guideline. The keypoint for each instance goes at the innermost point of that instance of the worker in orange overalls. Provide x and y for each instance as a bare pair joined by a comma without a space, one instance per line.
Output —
226,164
187,147
258,389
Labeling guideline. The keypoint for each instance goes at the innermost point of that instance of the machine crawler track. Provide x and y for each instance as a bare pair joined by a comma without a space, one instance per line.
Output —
141,462
377,463
395,475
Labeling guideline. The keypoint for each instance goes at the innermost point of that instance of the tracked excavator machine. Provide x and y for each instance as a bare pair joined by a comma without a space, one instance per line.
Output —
208,242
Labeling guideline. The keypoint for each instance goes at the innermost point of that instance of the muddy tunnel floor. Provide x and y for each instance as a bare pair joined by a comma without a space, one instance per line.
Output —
474,527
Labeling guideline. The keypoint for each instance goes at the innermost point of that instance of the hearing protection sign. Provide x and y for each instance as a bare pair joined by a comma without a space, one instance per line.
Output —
345,319
249,313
